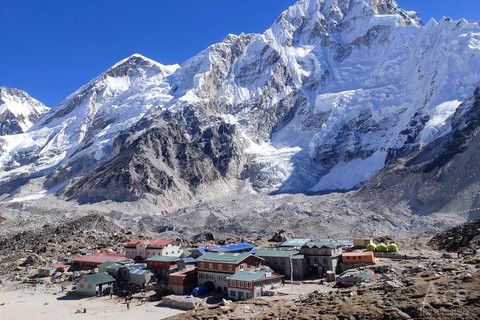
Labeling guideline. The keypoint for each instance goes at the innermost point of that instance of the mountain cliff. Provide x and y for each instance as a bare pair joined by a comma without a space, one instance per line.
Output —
334,92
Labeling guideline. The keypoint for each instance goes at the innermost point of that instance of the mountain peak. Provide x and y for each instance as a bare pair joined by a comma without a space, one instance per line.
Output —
137,60
18,111
314,18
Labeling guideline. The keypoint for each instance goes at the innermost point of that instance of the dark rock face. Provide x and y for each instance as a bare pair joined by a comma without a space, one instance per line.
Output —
9,123
170,161
466,235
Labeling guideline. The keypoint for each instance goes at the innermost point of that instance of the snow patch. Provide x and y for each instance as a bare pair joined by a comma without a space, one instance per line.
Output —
346,175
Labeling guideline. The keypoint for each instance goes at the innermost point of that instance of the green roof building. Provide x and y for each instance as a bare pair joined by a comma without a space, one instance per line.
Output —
244,285
93,284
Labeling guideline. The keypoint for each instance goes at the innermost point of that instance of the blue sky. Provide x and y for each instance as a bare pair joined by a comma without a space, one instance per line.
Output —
51,48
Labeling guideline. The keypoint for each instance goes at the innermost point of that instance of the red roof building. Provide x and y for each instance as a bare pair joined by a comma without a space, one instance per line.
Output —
184,281
95,259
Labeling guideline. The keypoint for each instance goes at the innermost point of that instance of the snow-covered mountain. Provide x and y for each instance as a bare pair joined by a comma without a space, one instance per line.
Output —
333,92
79,133
18,111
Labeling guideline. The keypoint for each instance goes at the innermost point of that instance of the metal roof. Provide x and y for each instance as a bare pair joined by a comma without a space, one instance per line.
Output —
231,247
99,258
106,264
276,253
114,266
140,271
224,257
294,242
135,266
189,260
159,242
162,258
345,242
184,272
320,243
100,278
252,275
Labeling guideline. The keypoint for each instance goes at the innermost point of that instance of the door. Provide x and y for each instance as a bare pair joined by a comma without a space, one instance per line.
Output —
241,295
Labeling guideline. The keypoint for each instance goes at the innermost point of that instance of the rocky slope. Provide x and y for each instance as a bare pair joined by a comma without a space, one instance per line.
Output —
466,235
18,111
327,97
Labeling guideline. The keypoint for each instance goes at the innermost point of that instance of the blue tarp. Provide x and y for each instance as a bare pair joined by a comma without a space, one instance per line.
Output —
236,247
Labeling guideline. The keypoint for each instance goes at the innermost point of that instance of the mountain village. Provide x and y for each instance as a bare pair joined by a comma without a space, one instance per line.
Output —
237,271
324,169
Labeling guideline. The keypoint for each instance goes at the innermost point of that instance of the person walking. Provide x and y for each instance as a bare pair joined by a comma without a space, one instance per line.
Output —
128,305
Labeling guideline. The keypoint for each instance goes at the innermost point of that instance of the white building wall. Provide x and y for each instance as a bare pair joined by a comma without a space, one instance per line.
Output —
219,279
170,250
139,250
85,287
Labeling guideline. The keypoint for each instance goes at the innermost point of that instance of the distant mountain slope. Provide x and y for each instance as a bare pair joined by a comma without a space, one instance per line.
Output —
18,111
78,134
323,100
442,177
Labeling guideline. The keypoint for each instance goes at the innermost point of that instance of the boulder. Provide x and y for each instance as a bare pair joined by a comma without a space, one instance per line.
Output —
209,236
281,236
392,284
419,268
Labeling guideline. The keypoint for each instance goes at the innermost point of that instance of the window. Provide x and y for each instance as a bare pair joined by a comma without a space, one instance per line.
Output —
89,286
175,280
248,285
241,284
220,266
238,284
233,293
241,266
230,267
201,264
210,265
81,285
232,283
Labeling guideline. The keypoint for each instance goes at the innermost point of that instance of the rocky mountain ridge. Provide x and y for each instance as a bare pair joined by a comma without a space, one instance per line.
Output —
334,93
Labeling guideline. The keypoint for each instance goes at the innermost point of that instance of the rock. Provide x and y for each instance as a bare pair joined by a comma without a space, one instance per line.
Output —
226,302
209,236
418,268
446,256
281,236
182,302
392,284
